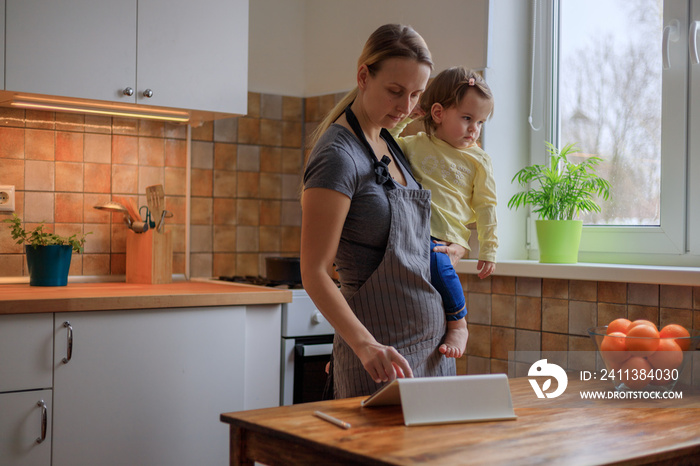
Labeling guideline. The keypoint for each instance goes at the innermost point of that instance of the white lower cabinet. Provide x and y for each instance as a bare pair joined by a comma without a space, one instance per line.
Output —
147,387
26,348
25,428
140,387
262,356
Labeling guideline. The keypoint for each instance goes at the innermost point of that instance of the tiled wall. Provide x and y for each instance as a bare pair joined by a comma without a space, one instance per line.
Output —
532,314
246,174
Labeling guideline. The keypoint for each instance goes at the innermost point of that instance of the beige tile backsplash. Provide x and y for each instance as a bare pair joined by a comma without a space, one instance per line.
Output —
245,178
522,313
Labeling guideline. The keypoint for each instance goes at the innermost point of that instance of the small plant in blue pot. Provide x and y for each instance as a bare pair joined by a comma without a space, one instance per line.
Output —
48,254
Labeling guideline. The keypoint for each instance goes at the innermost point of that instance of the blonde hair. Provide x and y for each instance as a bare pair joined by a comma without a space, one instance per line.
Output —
388,41
448,88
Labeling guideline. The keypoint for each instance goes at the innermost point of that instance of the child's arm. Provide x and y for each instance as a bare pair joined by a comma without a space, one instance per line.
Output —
484,205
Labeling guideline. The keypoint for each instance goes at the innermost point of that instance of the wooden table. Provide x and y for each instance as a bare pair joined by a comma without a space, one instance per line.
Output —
564,431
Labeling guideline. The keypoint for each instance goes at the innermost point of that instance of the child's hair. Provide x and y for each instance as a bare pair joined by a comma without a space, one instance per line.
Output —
448,88
388,41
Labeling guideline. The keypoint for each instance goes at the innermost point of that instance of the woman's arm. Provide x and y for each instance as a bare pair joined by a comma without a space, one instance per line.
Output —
323,215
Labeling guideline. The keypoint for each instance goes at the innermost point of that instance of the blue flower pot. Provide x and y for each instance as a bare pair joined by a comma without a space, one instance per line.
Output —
48,265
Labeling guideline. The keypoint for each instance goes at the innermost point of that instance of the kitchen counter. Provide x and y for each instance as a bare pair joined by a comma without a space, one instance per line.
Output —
564,430
25,299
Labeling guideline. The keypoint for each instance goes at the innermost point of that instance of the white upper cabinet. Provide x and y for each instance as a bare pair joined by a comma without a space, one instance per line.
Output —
193,54
71,48
184,54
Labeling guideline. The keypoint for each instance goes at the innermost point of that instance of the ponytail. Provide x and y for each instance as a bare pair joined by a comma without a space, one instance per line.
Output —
388,41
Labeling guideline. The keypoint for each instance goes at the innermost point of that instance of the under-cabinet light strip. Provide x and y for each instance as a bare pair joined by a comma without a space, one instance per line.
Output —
70,108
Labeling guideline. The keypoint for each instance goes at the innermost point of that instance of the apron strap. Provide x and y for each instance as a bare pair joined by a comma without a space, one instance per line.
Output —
398,154
381,167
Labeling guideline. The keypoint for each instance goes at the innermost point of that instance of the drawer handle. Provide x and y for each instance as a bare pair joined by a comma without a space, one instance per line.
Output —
69,356
44,421
128,91
148,93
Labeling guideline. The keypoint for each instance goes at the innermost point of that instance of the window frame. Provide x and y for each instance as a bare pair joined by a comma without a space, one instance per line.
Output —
676,241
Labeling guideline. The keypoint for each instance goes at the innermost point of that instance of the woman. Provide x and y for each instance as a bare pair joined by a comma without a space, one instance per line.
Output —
363,210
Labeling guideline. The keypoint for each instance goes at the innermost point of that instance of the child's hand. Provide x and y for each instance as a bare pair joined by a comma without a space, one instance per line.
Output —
417,112
486,268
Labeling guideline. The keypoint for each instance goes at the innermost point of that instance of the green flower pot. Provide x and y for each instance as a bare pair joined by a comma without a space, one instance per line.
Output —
48,265
559,240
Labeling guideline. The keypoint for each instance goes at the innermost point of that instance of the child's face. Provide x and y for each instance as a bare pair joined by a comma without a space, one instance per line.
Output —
460,125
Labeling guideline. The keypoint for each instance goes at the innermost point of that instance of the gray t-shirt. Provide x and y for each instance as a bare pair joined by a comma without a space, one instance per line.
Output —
340,162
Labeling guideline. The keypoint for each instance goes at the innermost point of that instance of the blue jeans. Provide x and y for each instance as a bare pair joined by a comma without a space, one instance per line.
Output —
445,280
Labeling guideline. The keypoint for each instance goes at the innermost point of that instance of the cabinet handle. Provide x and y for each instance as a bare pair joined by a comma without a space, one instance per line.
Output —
148,93
69,354
44,421
128,91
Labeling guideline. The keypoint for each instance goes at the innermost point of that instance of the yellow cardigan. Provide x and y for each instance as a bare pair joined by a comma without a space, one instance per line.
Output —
463,189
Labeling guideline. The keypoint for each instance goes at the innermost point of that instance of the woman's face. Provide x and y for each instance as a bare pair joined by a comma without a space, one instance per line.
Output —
389,96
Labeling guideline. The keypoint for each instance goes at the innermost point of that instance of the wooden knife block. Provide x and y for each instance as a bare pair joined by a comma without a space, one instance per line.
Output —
149,257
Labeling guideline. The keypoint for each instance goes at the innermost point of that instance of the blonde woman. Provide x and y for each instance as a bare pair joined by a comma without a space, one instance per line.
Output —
363,211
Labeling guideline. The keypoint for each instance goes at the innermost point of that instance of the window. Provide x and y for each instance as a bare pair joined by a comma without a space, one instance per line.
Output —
610,100
625,85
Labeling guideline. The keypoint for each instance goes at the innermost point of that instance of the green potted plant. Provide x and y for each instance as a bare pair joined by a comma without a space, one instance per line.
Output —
48,254
559,192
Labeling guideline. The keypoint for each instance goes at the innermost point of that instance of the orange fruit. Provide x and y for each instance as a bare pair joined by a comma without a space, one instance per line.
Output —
633,373
638,322
642,340
613,348
679,332
618,325
667,356
615,366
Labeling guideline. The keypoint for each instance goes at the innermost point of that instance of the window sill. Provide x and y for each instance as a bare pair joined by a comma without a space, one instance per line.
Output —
689,276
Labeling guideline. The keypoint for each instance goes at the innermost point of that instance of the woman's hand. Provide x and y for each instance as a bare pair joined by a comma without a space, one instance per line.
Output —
453,250
384,363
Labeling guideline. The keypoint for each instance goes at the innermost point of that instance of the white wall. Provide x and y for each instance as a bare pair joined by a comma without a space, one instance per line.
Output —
276,47
305,48
317,42
506,135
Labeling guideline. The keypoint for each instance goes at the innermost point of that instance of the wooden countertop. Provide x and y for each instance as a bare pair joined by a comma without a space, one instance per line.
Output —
25,299
566,430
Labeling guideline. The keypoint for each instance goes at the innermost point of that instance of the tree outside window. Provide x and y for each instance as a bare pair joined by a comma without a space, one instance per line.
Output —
610,78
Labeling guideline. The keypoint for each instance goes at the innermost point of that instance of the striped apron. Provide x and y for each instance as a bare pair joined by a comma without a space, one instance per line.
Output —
397,304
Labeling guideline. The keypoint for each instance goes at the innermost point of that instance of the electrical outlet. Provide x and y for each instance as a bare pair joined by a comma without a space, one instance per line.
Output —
7,198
